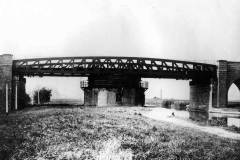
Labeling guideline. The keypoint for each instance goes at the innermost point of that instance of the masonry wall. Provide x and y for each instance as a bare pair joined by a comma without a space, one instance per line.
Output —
102,97
114,97
90,97
128,97
214,94
111,97
114,90
5,78
228,73
20,82
222,93
233,72
140,97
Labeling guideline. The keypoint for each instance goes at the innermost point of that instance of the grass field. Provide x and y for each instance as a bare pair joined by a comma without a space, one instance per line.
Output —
103,134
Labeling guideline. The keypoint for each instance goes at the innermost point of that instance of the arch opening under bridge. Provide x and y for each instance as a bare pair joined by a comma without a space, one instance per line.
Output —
233,96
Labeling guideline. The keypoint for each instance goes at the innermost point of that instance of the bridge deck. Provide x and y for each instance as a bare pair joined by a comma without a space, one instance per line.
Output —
84,66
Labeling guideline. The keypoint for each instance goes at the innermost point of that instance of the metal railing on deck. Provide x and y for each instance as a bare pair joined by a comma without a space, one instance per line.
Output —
83,84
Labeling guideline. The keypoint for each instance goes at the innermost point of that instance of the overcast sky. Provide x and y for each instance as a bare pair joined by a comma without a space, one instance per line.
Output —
197,30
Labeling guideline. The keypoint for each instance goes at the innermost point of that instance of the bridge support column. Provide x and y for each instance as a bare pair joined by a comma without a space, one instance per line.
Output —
114,97
90,96
15,95
19,92
5,83
199,100
214,87
222,94
113,90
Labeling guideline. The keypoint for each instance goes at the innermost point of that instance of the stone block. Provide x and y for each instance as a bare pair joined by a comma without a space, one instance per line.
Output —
102,97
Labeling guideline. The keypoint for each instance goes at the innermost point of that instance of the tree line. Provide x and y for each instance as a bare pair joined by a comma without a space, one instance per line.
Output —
40,96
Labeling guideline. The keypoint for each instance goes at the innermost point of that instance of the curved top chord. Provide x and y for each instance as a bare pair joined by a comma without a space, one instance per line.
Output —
84,66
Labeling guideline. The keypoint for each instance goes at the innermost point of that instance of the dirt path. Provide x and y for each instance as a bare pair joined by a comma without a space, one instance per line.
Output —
181,119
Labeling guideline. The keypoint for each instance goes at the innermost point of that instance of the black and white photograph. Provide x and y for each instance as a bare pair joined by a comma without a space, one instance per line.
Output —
119,80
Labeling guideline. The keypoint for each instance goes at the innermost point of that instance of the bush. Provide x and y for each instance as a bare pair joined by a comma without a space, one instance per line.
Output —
167,103
44,95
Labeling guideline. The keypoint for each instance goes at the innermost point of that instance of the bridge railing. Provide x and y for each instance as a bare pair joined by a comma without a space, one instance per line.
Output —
84,84
142,84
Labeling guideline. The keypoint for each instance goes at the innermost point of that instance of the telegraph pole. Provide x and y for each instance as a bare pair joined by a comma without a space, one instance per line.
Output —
161,93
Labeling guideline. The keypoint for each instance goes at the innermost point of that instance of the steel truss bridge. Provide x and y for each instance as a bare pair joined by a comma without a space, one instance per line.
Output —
85,66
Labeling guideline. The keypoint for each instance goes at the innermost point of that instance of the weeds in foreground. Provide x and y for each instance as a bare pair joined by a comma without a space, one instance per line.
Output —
104,134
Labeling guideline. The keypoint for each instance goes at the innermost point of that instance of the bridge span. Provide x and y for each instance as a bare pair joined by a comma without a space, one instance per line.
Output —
117,80
84,66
